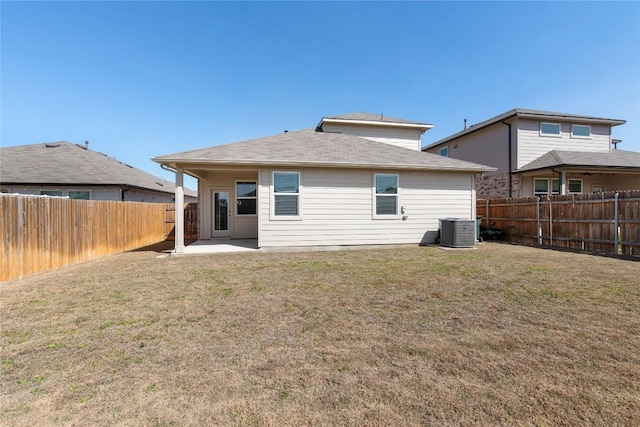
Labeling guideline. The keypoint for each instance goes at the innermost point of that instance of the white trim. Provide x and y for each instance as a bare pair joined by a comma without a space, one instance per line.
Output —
272,196
374,194
229,231
422,127
235,194
553,135
580,136
569,186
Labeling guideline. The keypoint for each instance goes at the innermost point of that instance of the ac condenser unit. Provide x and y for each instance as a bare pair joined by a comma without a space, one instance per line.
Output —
458,233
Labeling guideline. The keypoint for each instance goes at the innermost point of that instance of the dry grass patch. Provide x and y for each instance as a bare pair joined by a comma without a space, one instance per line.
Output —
409,336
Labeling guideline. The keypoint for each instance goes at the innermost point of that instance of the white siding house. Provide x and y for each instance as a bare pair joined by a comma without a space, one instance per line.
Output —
540,152
353,180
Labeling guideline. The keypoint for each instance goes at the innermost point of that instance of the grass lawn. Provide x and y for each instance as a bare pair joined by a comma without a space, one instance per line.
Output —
501,335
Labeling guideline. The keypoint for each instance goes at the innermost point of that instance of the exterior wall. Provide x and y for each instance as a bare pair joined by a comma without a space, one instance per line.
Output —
492,186
240,227
488,146
405,138
337,208
101,193
97,193
532,145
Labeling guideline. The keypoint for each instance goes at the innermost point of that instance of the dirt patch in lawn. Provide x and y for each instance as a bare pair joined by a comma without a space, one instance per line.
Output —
502,335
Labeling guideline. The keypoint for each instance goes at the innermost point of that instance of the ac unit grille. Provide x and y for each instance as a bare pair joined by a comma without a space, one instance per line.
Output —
458,233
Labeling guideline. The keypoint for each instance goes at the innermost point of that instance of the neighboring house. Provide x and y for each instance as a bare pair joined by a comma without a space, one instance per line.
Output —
541,152
354,179
72,170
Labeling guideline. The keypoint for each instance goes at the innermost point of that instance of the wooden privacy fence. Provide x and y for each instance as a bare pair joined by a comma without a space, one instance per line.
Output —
43,233
190,221
595,222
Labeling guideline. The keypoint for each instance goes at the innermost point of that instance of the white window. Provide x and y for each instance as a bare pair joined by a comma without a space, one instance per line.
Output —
386,195
580,131
541,186
246,197
286,195
575,185
444,151
549,129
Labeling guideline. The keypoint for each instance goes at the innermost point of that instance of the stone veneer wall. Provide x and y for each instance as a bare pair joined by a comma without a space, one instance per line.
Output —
496,186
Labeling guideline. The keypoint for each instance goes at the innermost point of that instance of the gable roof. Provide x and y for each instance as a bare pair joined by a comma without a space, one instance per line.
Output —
309,147
618,159
373,119
530,114
64,163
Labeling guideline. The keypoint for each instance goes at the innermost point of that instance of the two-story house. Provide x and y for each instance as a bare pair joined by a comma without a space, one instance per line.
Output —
353,179
541,152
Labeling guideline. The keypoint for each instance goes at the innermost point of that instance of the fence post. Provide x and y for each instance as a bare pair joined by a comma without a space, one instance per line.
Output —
539,222
550,222
616,248
487,215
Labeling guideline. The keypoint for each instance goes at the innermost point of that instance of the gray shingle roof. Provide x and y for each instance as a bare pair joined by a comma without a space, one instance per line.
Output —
65,163
312,148
620,159
374,118
524,112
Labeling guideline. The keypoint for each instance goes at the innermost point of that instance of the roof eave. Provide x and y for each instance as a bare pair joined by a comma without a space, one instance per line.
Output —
422,127
287,163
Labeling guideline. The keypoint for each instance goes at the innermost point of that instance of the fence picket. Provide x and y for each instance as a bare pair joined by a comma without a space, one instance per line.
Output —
578,221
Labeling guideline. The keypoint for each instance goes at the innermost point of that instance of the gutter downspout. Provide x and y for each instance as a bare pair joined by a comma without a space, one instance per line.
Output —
510,159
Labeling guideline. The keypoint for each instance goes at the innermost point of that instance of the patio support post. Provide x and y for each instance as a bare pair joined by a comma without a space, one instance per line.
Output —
179,203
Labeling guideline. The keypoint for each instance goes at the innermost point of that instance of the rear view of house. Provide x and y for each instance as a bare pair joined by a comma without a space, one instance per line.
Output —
542,152
353,179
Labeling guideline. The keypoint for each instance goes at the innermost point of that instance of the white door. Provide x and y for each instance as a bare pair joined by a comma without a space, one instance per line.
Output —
221,213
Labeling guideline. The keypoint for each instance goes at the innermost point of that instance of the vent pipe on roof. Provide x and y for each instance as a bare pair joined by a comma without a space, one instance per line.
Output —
86,145
465,124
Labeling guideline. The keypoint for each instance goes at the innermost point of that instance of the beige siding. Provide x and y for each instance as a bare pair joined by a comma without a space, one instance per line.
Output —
532,145
336,208
488,146
240,227
405,138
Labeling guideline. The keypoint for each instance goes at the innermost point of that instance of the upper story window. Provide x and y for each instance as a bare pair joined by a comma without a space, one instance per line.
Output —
444,151
386,188
580,131
549,129
246,197
286,195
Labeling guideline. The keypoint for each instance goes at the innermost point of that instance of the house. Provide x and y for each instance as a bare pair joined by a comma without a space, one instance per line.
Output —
541,152
353,179
74,171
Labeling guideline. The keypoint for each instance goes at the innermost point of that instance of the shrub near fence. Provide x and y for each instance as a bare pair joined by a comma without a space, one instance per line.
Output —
43,233
596,222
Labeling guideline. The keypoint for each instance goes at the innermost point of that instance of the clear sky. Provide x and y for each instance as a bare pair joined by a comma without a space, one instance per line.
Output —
142,79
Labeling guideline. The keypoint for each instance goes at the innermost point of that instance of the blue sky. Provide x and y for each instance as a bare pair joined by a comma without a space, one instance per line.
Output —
141,79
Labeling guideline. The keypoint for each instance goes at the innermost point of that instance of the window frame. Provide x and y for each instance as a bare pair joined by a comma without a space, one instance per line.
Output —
272,208
581,136
550,191
375,195
553,135
80,191
46,193
237,198
446,151
569,185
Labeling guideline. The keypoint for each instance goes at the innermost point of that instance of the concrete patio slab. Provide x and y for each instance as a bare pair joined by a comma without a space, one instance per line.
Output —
216,246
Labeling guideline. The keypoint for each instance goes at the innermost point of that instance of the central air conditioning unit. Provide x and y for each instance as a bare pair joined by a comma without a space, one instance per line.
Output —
458,233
